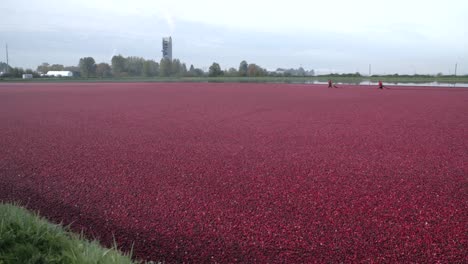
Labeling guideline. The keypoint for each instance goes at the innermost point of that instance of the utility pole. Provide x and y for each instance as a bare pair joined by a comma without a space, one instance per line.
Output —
6,47
456,64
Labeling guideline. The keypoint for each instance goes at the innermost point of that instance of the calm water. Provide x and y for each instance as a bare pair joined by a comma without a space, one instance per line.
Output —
430,84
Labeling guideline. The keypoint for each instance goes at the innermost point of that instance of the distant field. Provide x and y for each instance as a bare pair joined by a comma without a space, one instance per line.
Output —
229,172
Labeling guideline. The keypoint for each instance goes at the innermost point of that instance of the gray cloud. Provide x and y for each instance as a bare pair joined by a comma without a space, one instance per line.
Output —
63,35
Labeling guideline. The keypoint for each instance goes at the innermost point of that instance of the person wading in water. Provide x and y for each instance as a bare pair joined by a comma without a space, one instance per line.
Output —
381,85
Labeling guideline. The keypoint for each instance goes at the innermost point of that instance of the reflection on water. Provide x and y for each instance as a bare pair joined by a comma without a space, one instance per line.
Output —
434,84
430,84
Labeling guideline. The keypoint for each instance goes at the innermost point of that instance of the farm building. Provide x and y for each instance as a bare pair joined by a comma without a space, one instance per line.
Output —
60,73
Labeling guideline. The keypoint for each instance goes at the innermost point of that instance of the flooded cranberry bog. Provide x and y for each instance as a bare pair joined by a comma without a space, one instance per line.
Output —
217,172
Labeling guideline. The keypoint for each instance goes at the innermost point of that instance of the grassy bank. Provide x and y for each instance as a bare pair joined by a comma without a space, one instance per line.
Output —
343,79
26,237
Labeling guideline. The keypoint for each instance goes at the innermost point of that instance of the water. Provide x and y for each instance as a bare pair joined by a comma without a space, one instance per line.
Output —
427,84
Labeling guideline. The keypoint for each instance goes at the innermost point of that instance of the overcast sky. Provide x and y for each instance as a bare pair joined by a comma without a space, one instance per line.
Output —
395,36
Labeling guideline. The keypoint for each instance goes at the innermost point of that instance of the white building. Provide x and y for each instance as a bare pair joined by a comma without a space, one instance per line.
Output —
60,73
27,76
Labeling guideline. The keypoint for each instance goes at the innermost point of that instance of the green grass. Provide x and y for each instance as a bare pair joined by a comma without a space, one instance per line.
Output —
26,237
266,79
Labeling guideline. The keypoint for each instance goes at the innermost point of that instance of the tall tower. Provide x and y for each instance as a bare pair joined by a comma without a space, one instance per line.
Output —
167,48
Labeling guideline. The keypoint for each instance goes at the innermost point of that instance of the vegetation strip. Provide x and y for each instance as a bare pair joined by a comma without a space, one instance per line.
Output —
25,237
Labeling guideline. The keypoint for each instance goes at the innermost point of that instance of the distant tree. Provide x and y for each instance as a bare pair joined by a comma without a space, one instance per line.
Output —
16,72
301,72
215,70
134,66
103,70
232,72
87,67
274,74
150,68
56,67
165,67
191,71
4,67
243,68
198,72
254,70
118,65
146,69
43,68
183,70
154,67
176,67
30,71
74,69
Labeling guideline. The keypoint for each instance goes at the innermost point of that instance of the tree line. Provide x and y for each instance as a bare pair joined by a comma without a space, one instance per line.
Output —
132,66
139,67
126,67
8,71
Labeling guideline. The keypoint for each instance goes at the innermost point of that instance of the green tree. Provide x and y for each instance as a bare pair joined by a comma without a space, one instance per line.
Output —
301,72
232,72
118,65
56,67
103,70
74,69
43,68
87,67
16,72
176,67
215,70
198,72
150,68
165,67
191,71
134,66
4,67
183,70
243,68
253,70
30,71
